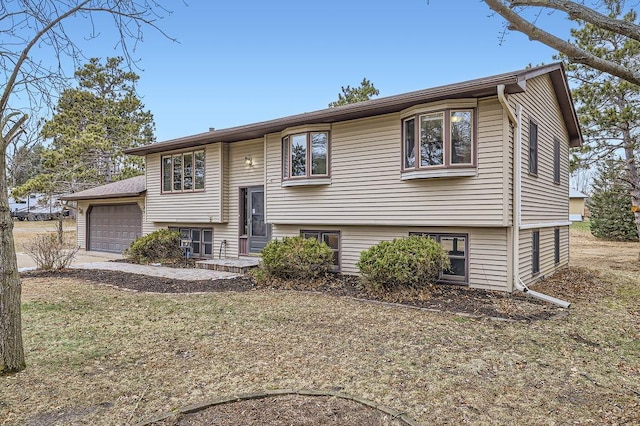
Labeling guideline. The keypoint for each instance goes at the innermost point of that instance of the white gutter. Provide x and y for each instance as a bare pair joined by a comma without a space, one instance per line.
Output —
503,100
523,288
515,233
516,120
545,225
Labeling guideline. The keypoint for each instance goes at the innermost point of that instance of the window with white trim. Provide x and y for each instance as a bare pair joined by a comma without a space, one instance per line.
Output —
439,139
305,155
183,172
457,247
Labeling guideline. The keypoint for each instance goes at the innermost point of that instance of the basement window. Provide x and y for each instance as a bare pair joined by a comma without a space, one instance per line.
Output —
457,247
330,238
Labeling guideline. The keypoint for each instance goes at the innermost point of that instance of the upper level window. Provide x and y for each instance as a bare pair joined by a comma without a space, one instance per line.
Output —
533,148
439,139
556,161
305,155
183,172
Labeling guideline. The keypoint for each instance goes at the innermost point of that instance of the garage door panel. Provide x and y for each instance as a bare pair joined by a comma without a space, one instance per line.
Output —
112,228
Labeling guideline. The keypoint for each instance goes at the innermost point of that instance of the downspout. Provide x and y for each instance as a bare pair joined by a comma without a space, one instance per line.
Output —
516,120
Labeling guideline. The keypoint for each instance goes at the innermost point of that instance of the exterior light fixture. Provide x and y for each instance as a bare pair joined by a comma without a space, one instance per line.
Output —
248,161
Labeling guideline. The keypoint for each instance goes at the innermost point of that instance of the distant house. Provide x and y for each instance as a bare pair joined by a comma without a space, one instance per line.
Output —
577,207
481,166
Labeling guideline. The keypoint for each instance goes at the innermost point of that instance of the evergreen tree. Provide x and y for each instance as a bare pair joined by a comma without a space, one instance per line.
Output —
351,95
610,205
609,107
93,124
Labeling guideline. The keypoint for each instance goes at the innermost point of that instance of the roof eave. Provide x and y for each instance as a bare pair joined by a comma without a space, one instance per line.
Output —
473,89
514,82
565,102
71,197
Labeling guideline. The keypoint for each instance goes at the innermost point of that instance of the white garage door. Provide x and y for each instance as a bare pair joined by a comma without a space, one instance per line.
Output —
112,228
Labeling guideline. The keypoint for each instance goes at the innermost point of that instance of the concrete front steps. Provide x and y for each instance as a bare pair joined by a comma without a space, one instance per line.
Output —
237,266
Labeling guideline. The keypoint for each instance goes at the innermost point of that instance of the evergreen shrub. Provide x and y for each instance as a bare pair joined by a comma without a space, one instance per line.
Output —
413,261
161,245
297,258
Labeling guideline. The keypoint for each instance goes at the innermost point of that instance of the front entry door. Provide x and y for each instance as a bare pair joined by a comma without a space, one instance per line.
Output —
258,230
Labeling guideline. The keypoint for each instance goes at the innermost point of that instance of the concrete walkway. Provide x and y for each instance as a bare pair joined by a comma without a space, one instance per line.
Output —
98,260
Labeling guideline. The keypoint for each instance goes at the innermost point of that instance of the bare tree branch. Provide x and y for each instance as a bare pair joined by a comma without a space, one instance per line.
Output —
25,52
580,11
574,53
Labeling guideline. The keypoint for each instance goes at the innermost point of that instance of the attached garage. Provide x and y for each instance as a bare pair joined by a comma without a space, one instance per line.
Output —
110,217
112,228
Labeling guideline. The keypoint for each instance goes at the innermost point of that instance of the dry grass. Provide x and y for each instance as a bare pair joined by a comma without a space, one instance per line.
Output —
24,232
97,355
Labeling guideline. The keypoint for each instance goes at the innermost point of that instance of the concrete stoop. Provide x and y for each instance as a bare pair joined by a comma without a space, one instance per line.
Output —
237,266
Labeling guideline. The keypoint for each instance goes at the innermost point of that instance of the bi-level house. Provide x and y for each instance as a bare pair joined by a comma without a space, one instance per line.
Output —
481,166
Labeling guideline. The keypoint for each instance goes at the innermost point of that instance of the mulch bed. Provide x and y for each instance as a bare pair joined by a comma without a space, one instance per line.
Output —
445,298
285,411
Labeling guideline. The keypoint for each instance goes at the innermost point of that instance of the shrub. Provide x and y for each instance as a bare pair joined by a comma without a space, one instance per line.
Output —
297,257
161,245
404,262
51,251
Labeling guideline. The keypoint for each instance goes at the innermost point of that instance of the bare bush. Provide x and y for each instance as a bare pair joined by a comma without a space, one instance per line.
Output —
50,251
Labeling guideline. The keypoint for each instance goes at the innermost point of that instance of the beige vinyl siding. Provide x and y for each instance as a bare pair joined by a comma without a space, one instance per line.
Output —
240,175
488,255
84,205
508,159
187,207
564,247
236,174
547,253
542,199
366,186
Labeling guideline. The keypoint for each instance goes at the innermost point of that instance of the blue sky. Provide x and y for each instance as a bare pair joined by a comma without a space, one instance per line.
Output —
241,62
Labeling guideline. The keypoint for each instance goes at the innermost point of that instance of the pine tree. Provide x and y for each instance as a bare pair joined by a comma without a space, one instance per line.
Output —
610,205
608,106
93,124
351,95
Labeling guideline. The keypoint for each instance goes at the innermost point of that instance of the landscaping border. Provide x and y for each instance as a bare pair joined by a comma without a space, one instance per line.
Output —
194,408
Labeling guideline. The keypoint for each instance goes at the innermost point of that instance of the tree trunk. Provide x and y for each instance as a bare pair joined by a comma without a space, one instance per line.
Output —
11,350
634,176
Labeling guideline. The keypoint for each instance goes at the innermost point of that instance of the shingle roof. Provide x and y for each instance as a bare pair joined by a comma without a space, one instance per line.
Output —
131,187
574,193
514,82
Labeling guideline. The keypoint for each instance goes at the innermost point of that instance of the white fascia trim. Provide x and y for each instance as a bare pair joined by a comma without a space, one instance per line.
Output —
306,182
545,225
440,173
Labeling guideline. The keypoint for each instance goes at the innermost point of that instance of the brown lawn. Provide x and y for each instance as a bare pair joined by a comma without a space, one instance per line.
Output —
99,355
26,231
